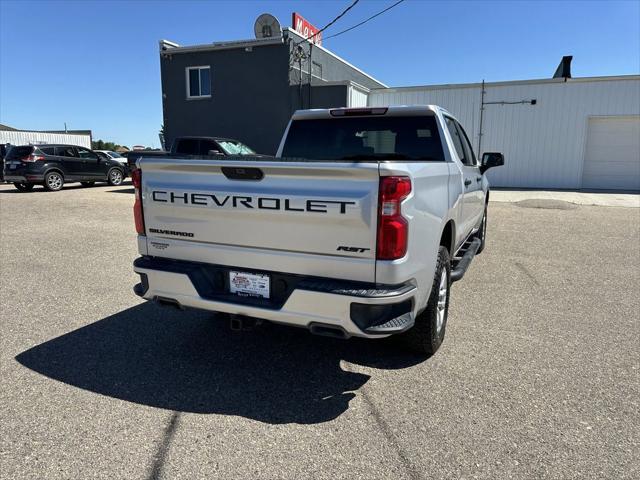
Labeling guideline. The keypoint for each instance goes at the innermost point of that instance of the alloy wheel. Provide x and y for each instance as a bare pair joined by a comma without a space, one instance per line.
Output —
54,181
442,301
116,177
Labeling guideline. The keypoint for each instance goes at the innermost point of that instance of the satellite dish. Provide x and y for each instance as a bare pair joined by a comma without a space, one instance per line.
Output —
267,26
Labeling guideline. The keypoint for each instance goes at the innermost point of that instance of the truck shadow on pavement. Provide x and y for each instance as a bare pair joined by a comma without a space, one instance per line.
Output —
190,361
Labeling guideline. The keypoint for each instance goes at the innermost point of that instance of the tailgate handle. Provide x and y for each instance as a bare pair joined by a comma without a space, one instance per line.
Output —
243,173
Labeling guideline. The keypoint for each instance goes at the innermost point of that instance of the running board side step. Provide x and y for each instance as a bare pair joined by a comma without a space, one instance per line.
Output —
461,266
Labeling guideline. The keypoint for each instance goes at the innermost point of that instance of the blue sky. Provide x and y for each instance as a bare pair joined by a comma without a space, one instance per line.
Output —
94,64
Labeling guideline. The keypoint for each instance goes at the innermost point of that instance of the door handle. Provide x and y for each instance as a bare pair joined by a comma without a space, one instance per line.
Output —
467,182
478,179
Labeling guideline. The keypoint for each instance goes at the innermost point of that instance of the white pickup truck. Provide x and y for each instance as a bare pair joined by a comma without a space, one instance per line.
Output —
357,226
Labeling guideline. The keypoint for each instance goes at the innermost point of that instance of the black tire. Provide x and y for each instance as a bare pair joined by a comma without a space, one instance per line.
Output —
426,336
482,232
87,184
53,181
23,187
115,177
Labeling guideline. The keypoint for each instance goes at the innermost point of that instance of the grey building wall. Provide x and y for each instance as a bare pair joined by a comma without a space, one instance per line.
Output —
333,70
254,90
319,96
249,95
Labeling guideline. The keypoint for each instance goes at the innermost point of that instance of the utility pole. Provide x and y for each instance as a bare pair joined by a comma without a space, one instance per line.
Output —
310,72
481,115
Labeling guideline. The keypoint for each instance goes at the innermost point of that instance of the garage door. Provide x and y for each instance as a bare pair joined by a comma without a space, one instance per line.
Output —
612,156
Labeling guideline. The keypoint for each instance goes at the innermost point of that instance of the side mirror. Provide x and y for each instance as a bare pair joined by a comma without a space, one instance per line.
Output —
490,160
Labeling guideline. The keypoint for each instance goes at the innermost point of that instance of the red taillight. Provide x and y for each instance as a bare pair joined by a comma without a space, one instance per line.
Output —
393,228
136,178
32,158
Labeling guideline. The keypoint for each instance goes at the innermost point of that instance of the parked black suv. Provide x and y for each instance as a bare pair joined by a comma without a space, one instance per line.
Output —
55,165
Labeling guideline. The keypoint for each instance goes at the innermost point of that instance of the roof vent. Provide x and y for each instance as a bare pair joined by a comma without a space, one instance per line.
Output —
564,69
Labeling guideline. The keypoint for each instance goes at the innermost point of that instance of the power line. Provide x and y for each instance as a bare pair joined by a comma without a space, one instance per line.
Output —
365,21
298,54
331,22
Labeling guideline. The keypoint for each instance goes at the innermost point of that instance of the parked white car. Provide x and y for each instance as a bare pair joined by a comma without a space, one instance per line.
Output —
112,155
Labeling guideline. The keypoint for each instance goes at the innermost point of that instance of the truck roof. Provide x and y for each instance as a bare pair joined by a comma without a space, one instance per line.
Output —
392,110
207,137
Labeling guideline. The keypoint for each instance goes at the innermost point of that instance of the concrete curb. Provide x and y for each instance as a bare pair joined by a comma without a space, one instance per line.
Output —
629,200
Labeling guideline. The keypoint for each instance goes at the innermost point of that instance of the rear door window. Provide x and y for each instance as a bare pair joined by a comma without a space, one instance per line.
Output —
469,156
365,138
48,150
66,152
455,136
188,146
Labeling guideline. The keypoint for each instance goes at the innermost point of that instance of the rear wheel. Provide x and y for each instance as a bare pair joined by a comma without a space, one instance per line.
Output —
87,184
115,177
53,181
23,187
427,334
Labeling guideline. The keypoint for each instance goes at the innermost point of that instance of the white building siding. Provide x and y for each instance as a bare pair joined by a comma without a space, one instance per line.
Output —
25,138
544,144
357,97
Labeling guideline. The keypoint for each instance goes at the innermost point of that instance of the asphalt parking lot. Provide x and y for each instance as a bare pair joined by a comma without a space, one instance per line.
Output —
537,378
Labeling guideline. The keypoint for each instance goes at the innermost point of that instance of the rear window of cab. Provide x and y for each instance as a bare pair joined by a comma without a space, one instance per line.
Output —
365,138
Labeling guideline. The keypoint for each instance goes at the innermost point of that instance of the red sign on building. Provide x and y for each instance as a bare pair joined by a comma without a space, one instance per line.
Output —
304,28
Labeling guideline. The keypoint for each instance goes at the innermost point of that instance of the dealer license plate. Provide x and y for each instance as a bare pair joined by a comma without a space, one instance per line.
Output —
249,284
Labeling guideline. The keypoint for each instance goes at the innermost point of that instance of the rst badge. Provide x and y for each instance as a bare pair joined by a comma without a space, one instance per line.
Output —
343,248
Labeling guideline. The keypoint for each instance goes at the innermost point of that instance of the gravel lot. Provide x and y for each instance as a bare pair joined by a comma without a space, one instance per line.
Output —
537,378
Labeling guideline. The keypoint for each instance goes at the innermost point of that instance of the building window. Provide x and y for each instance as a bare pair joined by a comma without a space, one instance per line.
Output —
198,82
316,69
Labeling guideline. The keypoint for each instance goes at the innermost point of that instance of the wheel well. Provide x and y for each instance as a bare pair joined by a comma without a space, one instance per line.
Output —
53,169
448,236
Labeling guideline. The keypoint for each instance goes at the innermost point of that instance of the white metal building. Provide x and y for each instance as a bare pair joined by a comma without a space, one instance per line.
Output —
582,133
20,137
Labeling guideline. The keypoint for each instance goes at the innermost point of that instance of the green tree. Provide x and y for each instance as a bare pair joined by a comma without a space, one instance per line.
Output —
102,145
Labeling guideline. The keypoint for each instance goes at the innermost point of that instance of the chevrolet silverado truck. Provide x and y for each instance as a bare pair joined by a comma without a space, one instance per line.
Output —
357,226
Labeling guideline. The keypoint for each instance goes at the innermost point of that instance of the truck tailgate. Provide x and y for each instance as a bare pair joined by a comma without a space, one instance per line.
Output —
308,218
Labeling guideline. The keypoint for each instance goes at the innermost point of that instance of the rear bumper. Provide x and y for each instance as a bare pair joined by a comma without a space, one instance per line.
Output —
357,309
26,178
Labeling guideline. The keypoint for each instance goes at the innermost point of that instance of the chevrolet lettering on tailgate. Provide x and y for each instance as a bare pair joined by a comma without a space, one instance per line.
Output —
243,201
